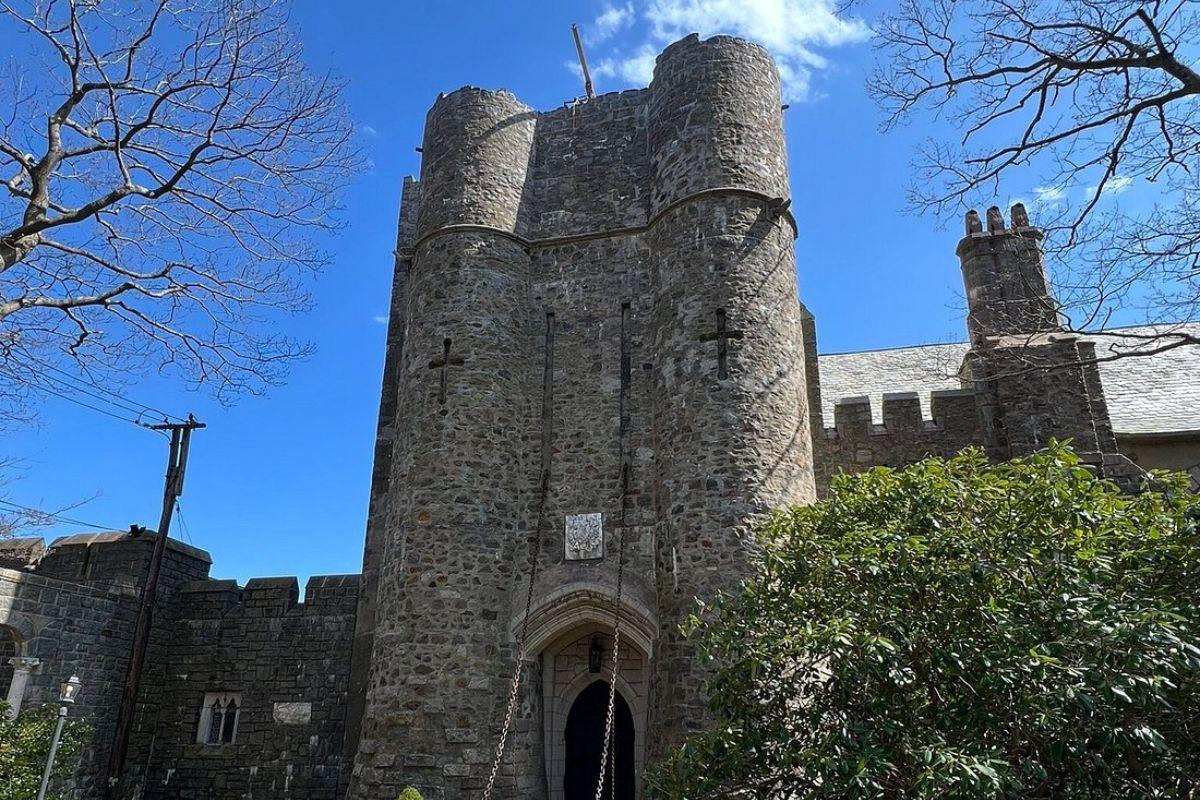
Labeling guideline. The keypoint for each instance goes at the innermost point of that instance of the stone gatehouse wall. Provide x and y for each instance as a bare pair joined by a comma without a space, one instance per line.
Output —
288,661
72,629
73,608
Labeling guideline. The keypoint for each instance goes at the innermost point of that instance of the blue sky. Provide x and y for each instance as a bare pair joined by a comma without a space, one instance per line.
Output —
278,484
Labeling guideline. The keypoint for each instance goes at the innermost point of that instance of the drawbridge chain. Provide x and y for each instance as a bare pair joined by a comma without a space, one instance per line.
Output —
607,758
535,552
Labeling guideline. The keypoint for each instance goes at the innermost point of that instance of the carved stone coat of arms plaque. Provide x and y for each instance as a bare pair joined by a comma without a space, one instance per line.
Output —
584,536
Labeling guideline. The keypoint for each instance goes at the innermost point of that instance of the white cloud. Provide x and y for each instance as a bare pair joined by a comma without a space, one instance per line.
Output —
793,30
638,68
368,131
1115,185
789,28
1049,195
610,22
380,318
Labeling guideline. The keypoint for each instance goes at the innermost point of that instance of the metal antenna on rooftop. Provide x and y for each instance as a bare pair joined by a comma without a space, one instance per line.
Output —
587,75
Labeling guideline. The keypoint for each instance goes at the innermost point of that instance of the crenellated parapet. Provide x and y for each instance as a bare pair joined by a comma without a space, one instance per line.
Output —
324,595
856,443
283,662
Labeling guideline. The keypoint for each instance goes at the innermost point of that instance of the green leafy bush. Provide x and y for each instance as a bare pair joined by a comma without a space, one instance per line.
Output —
958,629
409,793
24,746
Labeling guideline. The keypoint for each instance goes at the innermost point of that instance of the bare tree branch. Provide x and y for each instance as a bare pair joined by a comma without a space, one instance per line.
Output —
1074,100
164,170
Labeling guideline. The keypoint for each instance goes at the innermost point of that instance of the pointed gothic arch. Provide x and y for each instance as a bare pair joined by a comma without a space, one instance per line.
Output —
567,675
584,734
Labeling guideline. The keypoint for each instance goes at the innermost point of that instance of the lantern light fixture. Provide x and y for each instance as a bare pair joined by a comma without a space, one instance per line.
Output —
595,653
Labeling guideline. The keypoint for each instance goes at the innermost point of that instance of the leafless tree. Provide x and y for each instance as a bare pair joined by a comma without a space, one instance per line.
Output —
166,165
1074,100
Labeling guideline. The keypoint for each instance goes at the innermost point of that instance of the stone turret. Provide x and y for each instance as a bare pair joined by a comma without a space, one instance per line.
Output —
730,404
476,154
458,454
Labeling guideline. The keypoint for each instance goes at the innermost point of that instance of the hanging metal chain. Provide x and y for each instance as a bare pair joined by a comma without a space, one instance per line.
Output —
616,648
535,546
535,552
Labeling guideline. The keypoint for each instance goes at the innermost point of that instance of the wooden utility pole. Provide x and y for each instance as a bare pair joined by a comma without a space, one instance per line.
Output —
181,437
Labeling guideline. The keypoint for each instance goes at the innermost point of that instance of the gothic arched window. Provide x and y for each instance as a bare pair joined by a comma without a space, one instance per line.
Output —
219,718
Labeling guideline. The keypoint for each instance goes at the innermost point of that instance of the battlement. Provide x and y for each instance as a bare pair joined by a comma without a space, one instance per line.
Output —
855,442
22,552
116,559
710,119
853,416
324,595
288,663
1018,217
900,411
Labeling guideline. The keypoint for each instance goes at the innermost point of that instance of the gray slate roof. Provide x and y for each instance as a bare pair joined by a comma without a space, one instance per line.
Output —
1146,394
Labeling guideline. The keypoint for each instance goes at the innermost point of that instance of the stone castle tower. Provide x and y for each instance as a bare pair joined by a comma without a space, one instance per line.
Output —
595,380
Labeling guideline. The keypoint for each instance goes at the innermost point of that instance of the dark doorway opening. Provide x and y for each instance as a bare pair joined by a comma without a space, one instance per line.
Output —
585,741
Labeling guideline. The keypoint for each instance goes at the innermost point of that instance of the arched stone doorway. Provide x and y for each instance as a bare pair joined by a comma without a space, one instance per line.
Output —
15,669
564,626
584,735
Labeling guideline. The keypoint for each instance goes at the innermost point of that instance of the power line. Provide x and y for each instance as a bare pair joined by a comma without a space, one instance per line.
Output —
37,512
47,383
183,526
72,388
79,402
129,403
85,385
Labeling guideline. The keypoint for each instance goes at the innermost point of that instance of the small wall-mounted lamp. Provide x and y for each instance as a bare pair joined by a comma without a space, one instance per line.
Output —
595,654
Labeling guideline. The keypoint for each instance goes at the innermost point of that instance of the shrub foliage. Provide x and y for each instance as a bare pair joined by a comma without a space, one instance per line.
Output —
958,629
24,746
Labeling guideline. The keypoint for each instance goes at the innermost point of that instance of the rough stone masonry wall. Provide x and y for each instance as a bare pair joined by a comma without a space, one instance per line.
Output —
381,473
290,661
730,405
75,610
457,507
73,630
577,263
